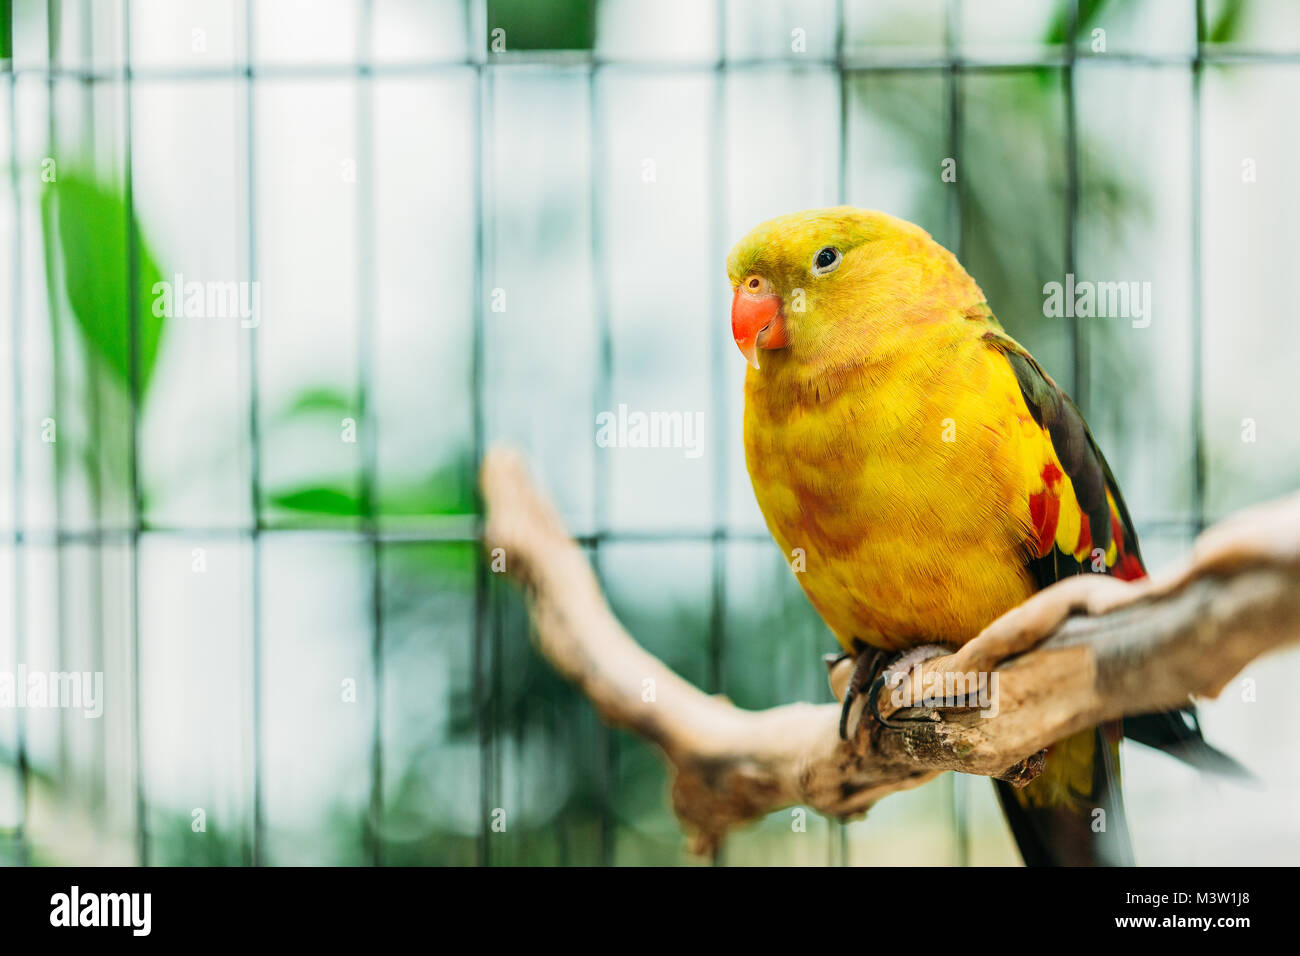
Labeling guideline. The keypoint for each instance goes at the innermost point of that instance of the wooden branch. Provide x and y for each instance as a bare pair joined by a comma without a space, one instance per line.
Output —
1083,651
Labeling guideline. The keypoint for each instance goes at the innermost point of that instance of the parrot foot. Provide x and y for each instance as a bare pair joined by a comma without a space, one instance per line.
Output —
866,666
894,674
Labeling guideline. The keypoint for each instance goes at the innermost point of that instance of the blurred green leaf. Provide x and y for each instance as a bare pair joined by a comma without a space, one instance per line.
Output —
319,500
447,491
321,399
1089,10
1225,29
6,29
544,24
1227,25
90,224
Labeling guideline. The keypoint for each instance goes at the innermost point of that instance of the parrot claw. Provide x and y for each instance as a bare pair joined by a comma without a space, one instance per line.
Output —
875,673
893,674
872,702
866,666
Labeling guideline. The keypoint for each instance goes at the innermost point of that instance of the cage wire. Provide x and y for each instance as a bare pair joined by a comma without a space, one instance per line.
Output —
491,617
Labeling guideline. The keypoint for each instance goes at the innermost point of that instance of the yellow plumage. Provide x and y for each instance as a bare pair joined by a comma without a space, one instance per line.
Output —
931,474
897,451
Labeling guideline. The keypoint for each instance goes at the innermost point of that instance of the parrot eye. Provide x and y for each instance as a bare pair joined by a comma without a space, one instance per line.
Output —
825,261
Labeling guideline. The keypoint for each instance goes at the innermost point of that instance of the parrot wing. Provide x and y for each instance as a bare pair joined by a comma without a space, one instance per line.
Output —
1078,514
1079,523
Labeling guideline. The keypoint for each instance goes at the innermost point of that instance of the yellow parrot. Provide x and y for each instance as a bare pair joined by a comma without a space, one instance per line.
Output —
934,477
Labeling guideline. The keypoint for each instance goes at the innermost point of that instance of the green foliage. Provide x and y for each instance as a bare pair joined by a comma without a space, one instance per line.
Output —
319,400
445,492
1227,25
1089,11
320,500
1225,28
91,223
6,29
544,24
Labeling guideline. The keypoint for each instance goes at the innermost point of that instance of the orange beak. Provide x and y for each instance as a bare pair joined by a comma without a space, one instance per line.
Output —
756,319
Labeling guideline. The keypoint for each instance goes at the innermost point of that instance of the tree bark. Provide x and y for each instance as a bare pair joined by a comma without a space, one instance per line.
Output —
1083,651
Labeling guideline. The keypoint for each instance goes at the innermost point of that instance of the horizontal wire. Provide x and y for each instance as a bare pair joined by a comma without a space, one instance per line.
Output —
458,532
344,70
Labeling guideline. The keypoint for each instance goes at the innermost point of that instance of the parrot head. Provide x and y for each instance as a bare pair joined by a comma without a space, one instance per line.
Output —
840,285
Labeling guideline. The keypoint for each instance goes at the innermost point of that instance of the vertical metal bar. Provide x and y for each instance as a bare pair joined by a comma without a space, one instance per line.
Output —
718,303
258,836
19,609
1080,364
479,654
1197,254
718,633
137,514
604,331
366,412
94,473
842,169
602,398
48,250
95,480
952,51
959,794
61,459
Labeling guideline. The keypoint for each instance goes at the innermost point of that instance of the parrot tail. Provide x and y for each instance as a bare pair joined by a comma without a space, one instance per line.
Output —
1178,733
1072,814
